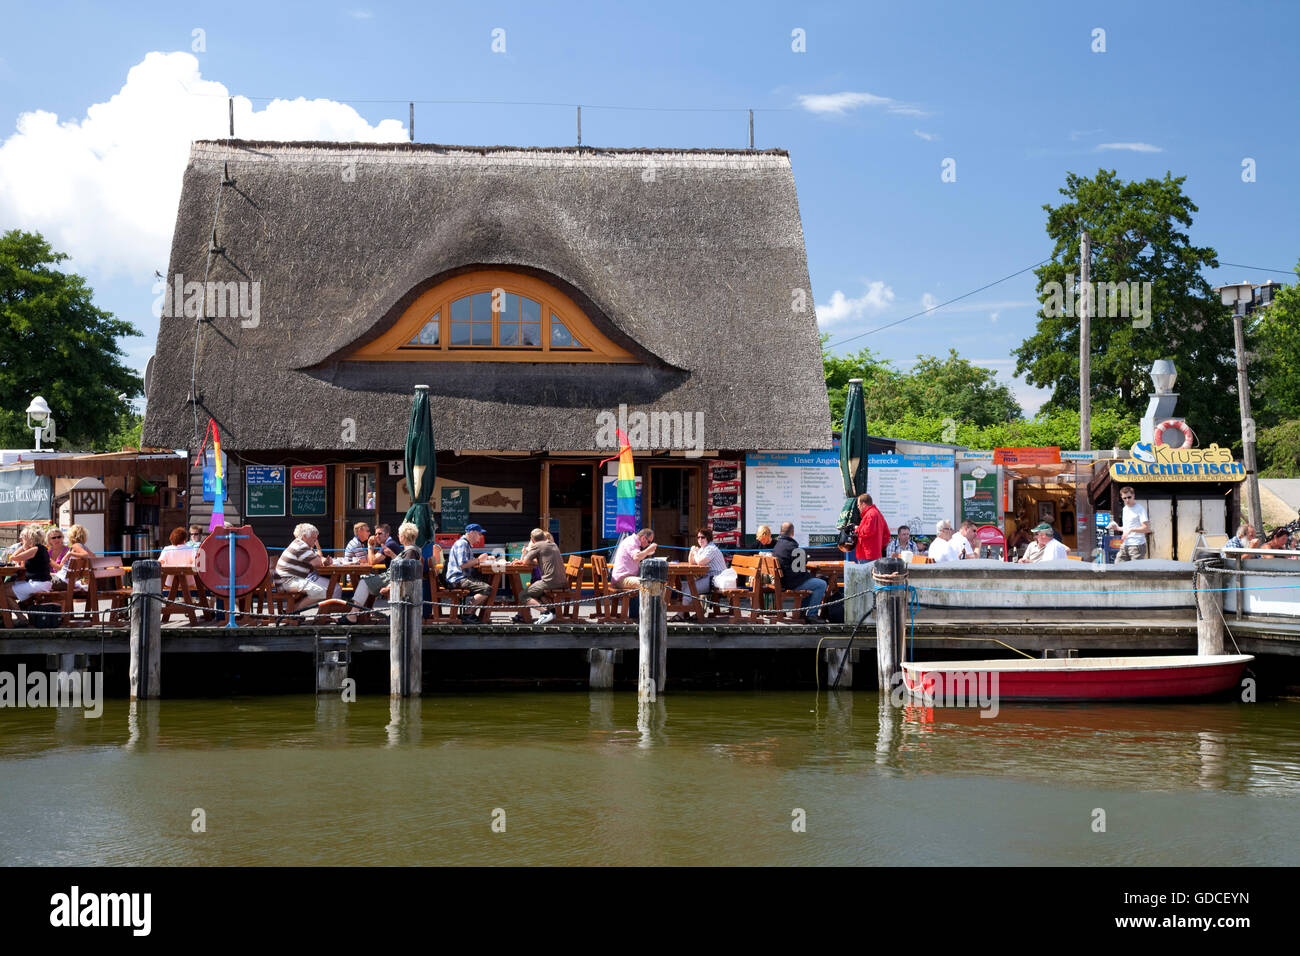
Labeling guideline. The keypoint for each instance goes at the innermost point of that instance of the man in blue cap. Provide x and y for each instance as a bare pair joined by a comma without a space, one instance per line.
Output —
462,572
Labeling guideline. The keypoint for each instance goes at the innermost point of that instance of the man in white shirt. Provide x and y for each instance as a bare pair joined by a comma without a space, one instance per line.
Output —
968,540
1136,527
943,547
1045,547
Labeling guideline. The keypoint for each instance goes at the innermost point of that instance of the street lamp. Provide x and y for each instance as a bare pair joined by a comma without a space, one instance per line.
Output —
40,421
1244,298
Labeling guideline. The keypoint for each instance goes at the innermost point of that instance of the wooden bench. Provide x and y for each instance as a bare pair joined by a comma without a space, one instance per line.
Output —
613,606
768,565
445,599
746,566
101,579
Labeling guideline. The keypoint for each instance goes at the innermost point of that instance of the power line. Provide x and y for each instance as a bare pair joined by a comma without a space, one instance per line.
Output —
964,295
1238,265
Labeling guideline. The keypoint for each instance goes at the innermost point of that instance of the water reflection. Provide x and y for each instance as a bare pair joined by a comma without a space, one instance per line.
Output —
404,720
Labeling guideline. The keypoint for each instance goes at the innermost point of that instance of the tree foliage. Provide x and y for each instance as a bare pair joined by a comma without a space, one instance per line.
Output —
55,343
1273,340
1138,232
1278,450
948,388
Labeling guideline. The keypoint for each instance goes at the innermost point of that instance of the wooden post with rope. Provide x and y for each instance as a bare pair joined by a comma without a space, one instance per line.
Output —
890,579
146,629
405,646
1210,626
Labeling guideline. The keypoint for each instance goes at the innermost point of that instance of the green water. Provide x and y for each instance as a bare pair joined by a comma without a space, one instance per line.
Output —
698,778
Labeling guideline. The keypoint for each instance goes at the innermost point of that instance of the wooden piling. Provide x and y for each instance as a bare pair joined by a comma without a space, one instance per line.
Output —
405,643
652,629
602,660
839,667
1210,626
146,630
891,619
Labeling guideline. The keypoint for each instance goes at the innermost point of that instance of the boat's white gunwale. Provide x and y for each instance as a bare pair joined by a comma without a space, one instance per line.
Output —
1082,664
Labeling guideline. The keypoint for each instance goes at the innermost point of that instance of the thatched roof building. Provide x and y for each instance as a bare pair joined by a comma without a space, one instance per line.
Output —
665,280
690,260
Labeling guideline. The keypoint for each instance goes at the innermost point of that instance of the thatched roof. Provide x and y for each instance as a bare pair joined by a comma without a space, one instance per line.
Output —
694,272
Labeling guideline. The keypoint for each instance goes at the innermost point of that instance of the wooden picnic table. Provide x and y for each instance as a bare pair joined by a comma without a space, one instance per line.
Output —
495,570
682,575
181,585
832,571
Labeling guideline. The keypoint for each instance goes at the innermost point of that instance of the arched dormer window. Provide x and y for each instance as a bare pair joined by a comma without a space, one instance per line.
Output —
497,316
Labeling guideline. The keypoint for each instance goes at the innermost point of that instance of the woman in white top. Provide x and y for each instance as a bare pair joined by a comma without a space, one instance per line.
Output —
707,553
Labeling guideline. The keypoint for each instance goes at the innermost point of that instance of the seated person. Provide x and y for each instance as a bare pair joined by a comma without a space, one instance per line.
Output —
462,570
297,566
1278,540
545,553
787,553
943,547
764,538
1244,538
903,544
362,549
58,555
631,551
76,537
1045,547
705,552
36,559
178,552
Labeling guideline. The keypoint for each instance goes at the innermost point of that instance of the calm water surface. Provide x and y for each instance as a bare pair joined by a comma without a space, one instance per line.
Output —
699,778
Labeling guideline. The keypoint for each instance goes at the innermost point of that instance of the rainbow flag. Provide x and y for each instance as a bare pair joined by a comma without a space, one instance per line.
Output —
219,478
624,486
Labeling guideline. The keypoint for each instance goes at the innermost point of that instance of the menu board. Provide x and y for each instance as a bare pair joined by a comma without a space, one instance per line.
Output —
307,490
916,490
455,508
264,491
609,506
804,488
979,495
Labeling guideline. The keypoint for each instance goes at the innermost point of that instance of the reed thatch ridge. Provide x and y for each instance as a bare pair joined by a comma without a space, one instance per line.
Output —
692,260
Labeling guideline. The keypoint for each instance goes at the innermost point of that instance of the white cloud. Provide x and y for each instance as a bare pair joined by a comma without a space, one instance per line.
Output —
875,300
1131,147
104,188
361,14
928,137
993,317
928,301
908,111
839,103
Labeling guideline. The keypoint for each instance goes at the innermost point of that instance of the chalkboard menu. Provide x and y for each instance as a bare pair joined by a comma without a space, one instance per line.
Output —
264,491
979,496
307,490
455,508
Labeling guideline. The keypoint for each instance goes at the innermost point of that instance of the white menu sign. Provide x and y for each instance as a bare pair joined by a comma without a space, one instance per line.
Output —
915,490
804,488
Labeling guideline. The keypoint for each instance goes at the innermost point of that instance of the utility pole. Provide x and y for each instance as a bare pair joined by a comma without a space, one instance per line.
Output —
1247,422
1085,343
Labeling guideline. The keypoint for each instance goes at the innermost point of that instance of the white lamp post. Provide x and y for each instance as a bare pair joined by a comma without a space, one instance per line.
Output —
40,421
1241,296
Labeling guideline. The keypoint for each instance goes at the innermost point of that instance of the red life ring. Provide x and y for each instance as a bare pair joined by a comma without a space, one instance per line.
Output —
213,564
1189,436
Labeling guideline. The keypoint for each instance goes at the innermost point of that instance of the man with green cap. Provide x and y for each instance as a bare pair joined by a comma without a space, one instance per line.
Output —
1045,547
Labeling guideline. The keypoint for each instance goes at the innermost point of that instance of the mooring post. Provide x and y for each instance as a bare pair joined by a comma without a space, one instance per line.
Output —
1210,626
839,666
146,629
889,578
405,645
652,629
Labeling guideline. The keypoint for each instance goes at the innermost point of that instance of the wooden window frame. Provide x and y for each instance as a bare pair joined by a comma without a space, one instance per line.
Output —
394,345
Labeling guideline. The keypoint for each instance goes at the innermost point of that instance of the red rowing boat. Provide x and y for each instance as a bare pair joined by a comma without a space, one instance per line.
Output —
1076,678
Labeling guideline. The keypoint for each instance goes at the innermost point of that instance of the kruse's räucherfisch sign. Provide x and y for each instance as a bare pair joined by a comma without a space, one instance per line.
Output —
1162,463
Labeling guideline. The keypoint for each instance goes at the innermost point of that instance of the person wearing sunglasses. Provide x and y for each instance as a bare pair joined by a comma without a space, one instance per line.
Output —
1135,528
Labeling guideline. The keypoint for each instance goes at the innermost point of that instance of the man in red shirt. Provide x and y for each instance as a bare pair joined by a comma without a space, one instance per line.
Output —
873,532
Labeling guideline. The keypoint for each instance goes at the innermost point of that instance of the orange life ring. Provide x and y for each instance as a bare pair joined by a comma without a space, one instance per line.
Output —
1189,436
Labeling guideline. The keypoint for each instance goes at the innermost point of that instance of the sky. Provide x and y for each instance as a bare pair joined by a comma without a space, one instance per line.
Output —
924,137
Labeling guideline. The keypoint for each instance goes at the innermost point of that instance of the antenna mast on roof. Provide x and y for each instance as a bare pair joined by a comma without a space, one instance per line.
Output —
751,129
232,117
579,125
412,125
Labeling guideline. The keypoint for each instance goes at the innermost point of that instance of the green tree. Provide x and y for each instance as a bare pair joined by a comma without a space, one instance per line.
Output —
949,388
1279,450
1138,232
125,436
1273,338
55,343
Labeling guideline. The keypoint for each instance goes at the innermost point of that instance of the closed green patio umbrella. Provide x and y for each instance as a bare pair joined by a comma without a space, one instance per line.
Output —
853,451
421,465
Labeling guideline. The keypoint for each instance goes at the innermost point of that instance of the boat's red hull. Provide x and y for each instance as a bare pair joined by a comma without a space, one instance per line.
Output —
1080,678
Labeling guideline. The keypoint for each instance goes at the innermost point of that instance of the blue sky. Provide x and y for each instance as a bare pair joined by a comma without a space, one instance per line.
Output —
1012,92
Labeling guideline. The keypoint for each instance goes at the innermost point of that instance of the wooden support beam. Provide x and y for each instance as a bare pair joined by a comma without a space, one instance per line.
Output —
146,629
652,630
405,642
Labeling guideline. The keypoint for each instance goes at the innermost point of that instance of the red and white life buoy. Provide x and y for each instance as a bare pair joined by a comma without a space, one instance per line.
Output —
1189,436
